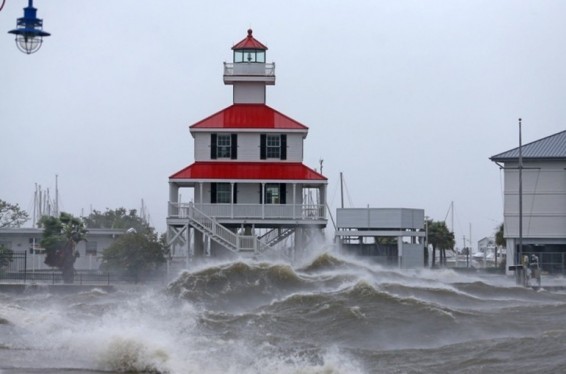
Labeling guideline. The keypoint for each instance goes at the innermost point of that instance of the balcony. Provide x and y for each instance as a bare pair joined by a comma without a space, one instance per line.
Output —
249,72
306,213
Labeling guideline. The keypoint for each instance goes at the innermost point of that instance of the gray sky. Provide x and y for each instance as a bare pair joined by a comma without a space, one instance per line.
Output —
408,99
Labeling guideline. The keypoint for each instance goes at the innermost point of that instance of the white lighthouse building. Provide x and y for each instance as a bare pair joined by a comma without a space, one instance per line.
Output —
250,189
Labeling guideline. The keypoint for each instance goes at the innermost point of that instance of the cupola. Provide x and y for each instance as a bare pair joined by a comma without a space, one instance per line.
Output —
249,50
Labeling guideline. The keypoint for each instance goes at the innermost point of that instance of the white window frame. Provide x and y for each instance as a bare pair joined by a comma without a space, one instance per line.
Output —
223,193
223,146
273,146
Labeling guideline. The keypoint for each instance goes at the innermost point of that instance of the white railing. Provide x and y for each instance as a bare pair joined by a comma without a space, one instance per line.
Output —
304,212
275,235
267,69
232,241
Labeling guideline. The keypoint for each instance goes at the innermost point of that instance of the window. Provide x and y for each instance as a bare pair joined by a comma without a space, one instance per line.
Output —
223,193
91,248
35,247
275,193
273,146
223,146
272,194
249,55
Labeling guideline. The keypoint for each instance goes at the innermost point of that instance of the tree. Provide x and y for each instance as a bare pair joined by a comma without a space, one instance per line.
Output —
135,255
60,237
11,215
117,219
439,237
499,239
6,256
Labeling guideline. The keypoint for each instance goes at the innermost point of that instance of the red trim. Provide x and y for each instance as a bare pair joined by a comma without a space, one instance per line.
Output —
249,42
246,116
248,170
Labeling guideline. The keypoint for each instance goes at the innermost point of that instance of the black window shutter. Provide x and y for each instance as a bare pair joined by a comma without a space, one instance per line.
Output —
283,147
260,193
213,193
283,193
213,146
235,194
234,145
263,146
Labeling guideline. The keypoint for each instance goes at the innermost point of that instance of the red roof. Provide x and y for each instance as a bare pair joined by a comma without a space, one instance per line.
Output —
249,42
249,116
248,170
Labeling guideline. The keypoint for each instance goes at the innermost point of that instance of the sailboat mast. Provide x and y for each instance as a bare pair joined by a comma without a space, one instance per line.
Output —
341,191
56,209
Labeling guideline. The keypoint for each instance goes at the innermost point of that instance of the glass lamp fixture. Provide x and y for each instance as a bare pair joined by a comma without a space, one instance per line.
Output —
29,31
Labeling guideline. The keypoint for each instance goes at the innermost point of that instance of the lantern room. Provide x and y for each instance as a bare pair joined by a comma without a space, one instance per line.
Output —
249,50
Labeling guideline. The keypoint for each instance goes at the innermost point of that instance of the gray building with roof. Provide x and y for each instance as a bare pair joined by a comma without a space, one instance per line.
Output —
543,201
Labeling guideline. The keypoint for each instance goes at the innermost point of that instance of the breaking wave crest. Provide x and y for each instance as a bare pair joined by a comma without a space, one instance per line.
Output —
131,356
325,261
237,284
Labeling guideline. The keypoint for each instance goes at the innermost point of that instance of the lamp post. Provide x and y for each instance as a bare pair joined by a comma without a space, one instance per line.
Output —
29,32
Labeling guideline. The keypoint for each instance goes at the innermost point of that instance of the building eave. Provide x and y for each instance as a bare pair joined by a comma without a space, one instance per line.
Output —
248,172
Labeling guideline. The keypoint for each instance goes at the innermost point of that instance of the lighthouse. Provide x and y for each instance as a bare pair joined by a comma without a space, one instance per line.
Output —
250,191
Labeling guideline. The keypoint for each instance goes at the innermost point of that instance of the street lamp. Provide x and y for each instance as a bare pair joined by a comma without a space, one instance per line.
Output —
29,32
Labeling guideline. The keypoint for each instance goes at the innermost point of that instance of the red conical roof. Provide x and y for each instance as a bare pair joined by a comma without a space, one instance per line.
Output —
249,42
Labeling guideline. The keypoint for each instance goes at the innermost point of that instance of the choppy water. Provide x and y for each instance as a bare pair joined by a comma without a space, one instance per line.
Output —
330,315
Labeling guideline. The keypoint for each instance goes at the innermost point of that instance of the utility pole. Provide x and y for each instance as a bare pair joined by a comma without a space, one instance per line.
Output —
522,271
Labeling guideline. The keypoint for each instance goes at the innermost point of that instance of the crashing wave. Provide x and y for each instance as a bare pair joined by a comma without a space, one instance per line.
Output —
130,356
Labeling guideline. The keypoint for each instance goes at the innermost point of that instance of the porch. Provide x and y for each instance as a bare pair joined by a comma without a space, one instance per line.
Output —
292,213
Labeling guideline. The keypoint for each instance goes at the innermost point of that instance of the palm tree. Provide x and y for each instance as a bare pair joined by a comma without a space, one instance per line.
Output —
439,237
60,238
499,239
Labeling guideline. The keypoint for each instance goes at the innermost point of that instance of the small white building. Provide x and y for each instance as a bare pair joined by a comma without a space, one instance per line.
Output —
90,251
543,201
488,254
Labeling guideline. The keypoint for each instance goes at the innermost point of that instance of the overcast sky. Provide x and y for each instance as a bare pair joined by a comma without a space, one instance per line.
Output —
408,99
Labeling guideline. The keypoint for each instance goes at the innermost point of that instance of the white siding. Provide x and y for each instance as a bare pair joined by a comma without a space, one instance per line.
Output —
202,146
249,93
295,147
536,226
544,200
382,218
249,147
248,193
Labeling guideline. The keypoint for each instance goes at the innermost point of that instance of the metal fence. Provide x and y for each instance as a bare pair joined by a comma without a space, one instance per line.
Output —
15,268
